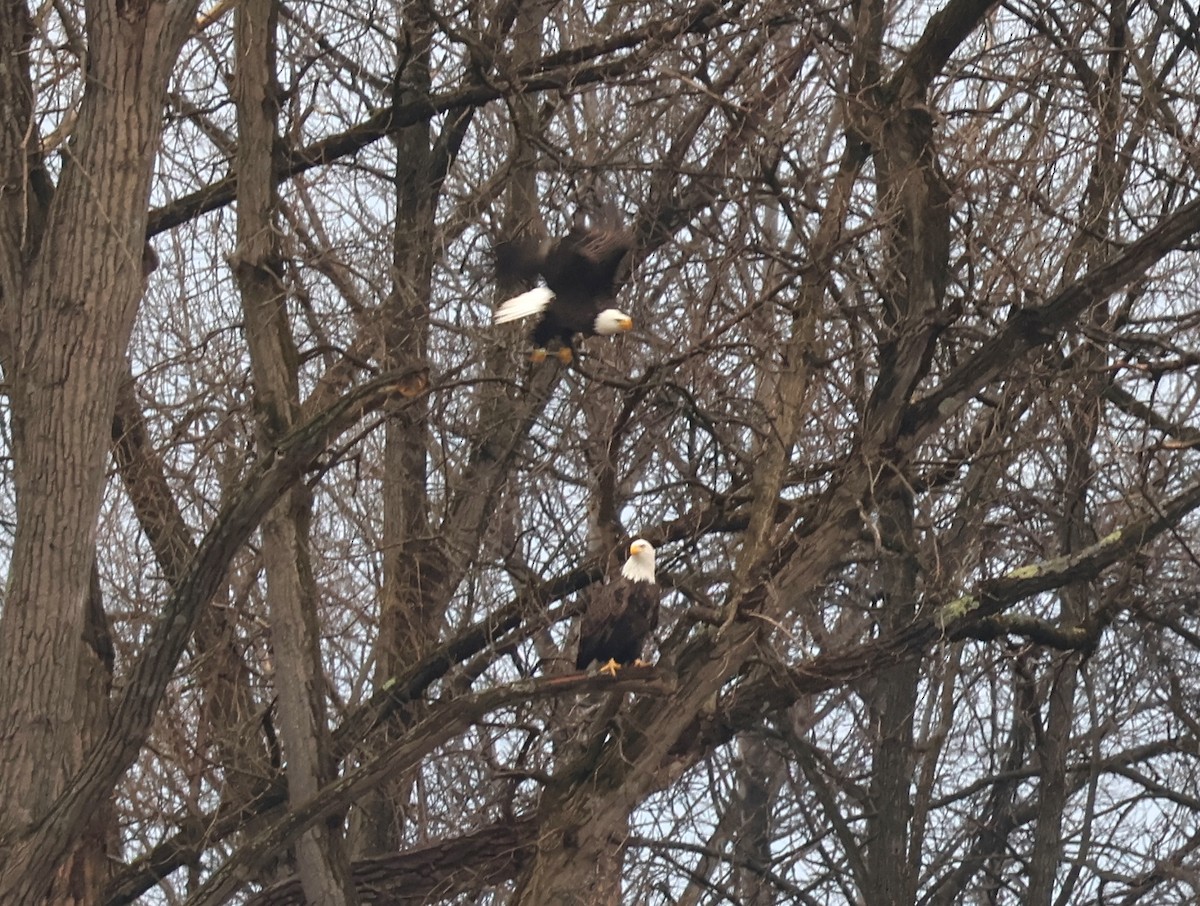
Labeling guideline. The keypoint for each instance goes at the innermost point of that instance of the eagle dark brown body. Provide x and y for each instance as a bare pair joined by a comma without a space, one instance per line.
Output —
620,616
581,271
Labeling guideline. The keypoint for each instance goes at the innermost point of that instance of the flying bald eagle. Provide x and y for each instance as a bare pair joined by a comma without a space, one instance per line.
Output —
580,271
620,616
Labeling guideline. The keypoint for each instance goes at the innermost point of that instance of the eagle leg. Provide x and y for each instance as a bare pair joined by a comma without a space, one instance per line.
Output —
565,355
611,668
638,662
538,356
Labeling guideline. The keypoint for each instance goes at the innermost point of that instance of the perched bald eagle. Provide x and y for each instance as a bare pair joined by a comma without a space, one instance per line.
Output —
580,271
619,617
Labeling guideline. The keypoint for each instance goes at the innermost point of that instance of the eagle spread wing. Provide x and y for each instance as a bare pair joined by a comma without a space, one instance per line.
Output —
581,272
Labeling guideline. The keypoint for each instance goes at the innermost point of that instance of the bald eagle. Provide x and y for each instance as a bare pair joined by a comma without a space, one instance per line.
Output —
620,616
580,271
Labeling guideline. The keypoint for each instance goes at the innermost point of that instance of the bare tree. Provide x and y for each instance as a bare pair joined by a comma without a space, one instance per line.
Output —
295,538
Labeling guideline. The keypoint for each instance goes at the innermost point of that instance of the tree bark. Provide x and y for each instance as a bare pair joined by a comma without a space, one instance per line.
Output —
913,210
756,788
891,701
291,597
23,203
408,628
69,295
1080,426
433,873
88,865
408,621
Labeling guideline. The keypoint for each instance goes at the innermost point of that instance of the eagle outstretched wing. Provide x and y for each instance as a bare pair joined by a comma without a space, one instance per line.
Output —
582,271
583,266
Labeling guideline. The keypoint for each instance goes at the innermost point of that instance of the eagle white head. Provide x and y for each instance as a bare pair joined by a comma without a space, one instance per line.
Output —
640,565
613,321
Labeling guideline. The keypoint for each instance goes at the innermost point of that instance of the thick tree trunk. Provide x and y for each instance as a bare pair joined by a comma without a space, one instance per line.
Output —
291,598
914,213
88,866
890,880
69,303
408,624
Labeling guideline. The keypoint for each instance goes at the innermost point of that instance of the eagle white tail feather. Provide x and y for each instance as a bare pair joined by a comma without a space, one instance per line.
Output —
524,305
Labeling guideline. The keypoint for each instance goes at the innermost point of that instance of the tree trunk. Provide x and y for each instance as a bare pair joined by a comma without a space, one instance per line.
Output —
408,624
914,213
69,294
1080,426
890,880
88,866
291,597
757,785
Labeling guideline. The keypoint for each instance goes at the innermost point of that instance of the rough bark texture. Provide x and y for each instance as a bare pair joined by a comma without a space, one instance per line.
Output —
88,866
915,202
69,293
23,203
891,700
291,595
906,412
408,620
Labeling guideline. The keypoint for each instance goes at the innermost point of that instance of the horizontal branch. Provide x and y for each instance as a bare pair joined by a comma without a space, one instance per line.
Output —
1080,637
432,873
445,721
562,71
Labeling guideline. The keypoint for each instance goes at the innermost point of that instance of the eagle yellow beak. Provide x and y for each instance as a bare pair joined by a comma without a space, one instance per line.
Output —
634,548
625,323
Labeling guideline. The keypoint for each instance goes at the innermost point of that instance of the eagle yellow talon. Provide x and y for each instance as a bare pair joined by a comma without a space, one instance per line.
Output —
565,355
537,356
619,618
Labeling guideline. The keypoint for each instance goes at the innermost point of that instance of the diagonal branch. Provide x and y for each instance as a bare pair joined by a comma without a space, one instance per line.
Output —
770,690
1183,435
559,72
1029,328
944,32
279,469
443,723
